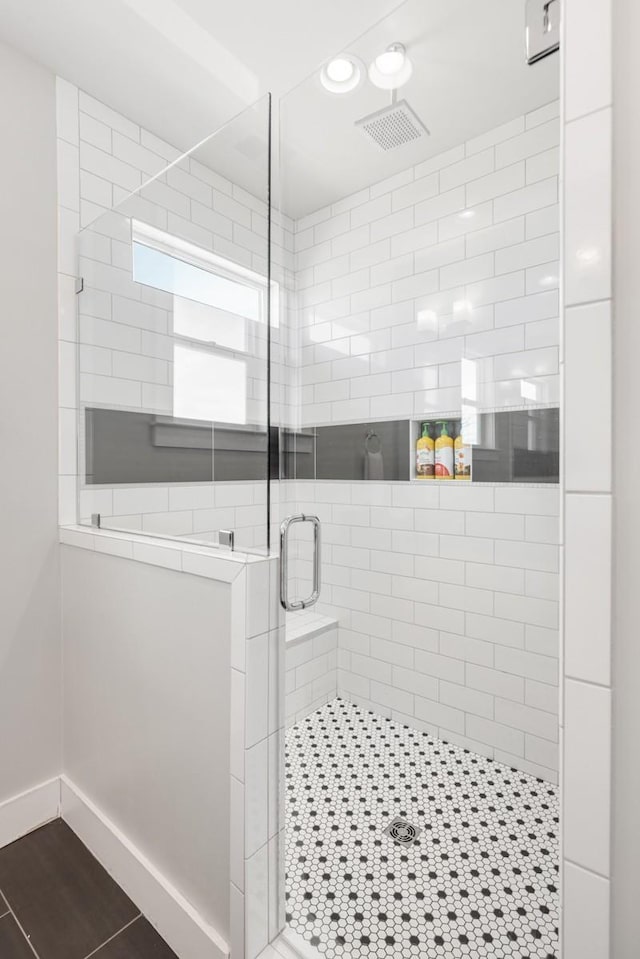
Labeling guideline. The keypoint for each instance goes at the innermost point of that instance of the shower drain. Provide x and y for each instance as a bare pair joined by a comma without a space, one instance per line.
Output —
402,832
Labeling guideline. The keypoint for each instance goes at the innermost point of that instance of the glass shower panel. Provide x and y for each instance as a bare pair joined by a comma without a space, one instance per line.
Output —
419,166
174,347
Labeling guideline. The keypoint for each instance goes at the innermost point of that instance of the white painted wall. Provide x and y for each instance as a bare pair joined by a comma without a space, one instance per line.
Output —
147,714
29,586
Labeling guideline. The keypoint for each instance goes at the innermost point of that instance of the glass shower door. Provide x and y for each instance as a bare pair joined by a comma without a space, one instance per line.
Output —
174,332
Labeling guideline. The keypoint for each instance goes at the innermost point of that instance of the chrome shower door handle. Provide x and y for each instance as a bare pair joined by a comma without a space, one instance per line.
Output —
284,562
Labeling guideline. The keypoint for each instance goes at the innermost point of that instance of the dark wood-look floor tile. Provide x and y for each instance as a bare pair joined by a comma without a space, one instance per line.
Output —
13,945
62,897
137,941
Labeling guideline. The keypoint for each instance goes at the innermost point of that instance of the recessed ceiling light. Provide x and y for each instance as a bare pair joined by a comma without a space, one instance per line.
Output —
340,75
391,68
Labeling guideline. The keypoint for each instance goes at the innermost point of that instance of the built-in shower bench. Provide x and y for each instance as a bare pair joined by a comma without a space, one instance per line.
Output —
311,652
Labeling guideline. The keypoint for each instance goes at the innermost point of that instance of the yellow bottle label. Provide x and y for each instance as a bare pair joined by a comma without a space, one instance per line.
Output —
425,466
444,458
462,459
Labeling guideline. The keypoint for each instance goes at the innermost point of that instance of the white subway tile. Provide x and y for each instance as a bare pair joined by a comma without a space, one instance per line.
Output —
467,271
411,287
536,502
496,184
495,682
466,548
542,137
440,570
545,276
524,609
503,737
542,222
542,696
439,715
493,630
468,598
530,253
424,188
469,650
543,165
371,210
108,167
527,555
588,361
529,665
496,237
542,585
431,257
472,168
496,135
391,183
588,49
587,586
585,903
437,617
526,200
496,578
108,116
529,363
95,132
390,696
411,240
439,162
466,222
526,309
412,682
440,206
509,340
587,775
528,719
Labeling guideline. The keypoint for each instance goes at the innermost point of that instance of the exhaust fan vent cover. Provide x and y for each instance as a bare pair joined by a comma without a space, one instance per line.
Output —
393,126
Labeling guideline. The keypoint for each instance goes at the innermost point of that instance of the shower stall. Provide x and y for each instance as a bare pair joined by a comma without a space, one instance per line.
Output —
348,743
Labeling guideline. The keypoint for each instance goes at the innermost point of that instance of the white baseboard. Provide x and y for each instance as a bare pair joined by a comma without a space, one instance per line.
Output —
184,929
32,808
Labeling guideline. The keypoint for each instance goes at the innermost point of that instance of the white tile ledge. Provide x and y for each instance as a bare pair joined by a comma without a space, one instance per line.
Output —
303,626
172,554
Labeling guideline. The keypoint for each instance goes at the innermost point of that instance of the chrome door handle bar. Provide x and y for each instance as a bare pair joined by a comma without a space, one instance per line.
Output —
284,562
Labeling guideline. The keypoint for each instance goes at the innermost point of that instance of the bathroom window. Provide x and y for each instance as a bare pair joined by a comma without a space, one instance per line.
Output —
208,386
218,316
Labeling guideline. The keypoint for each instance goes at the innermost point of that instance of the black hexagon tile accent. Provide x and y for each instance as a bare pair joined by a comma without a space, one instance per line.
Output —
479,881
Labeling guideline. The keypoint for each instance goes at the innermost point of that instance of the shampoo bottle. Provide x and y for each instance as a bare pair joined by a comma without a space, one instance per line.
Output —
444,454
425,455
462,453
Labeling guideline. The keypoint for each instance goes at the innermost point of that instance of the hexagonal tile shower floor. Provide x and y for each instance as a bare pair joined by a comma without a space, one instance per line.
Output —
479,880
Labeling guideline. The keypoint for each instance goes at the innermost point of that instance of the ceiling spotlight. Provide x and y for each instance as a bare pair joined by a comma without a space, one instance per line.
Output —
392,68
340,75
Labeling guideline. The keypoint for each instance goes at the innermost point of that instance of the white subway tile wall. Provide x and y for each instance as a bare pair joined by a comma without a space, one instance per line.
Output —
587,496
453,259
446,597
311,674
447,605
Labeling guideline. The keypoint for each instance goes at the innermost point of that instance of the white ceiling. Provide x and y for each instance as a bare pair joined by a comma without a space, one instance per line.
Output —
470,75
182,68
